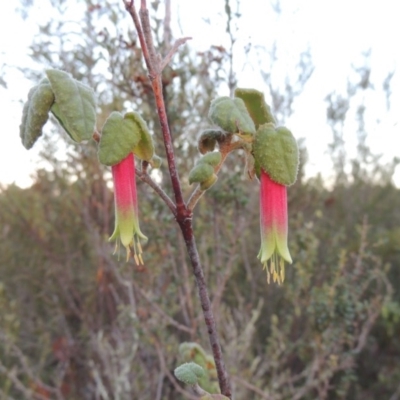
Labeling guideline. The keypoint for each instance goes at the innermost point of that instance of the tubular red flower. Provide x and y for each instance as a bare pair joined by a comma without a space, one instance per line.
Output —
274,228
127,229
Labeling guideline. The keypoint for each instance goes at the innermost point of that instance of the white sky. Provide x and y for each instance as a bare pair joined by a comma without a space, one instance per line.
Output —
337,32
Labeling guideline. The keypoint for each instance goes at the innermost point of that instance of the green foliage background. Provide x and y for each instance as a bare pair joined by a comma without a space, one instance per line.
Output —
77,323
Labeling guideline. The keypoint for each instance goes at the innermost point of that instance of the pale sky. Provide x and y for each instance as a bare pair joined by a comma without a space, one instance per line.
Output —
337,33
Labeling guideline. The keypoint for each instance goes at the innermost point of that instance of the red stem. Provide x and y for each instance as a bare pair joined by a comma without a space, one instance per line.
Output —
183,213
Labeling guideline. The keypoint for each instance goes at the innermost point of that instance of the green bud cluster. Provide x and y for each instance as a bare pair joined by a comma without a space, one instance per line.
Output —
193,352
203,172
189,373
273,149
249,117
71,102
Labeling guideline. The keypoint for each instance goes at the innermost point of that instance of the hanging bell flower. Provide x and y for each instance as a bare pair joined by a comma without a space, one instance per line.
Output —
127,229
276,163
274,228
123,138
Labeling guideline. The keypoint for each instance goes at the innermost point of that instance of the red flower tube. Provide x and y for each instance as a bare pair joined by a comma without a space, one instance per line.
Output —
274,228
127,229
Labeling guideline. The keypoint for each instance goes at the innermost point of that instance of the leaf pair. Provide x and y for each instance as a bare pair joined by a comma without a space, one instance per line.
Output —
71,102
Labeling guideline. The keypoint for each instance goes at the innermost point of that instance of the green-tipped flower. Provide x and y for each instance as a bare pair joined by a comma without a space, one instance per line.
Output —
127,229
274,228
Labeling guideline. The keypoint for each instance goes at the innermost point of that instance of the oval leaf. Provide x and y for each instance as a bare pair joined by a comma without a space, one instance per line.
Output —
118,138
231,115
75,107
145,148
201,173
258,109
212,159
205,185
275,151
189,373
35,113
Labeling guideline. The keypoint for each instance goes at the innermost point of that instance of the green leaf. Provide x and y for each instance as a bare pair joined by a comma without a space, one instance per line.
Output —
209,182
145,148
75,105
119,136
275,151
201,173
189,373
212,159
35,113
231,115
259,110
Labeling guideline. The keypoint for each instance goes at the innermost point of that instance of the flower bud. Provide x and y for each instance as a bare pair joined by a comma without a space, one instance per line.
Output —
208,140
201,173
189,373
212,159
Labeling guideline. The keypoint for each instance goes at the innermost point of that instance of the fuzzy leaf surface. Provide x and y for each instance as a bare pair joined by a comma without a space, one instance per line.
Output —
259,110
35,113
75,107
231,115
119,136
145,147
276,152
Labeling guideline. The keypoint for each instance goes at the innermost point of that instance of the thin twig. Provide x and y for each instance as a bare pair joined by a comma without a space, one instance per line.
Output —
223,377
251,387
145,177
183,213
167,23
169,375
173,50
225,149
161,312
130,7
160,386
153,63
11,375
396,394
